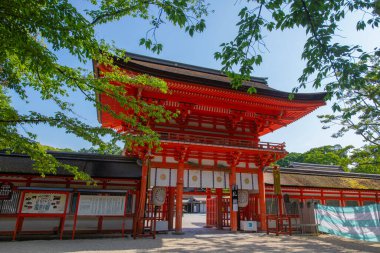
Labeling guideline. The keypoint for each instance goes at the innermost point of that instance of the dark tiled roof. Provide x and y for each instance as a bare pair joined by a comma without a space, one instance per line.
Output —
191,70
105,166
311,166
317,177
300,180
203,76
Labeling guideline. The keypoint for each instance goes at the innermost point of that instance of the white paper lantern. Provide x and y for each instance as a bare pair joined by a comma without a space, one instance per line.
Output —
158,195
243,196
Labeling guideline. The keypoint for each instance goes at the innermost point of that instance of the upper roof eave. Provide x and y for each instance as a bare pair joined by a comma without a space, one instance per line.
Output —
135,64
186,66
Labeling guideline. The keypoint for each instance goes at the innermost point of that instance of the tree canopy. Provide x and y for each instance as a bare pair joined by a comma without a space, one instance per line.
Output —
349,74
327,155
362,160
366,159
32,32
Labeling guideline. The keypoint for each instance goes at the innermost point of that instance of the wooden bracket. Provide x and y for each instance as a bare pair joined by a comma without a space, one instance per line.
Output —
234,158
182,154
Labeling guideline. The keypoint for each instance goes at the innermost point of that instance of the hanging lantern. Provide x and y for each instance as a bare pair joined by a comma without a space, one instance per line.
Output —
243,196
158,195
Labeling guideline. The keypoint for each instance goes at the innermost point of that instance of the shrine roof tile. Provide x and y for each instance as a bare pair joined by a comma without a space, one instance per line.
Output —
203,76
96,165
309,177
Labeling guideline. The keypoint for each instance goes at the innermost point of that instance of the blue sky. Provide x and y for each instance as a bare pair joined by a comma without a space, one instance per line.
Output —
282,65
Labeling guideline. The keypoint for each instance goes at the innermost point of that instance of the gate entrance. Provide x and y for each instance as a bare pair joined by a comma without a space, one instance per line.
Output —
204,192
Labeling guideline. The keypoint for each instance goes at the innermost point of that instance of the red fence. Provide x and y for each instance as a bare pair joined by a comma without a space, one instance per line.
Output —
225,212
251,211
160,212
212,212
30,204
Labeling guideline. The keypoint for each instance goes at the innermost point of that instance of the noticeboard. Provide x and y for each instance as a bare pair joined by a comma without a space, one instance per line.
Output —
101,205
48,203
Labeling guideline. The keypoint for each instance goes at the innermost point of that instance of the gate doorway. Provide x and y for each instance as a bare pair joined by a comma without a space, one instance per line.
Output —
194,214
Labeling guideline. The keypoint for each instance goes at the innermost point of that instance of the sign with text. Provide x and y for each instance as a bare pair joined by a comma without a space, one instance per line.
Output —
51,203
235,198
101,205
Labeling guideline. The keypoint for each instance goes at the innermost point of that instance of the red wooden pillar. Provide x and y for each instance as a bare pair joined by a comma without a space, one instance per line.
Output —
262,201
219,216
323,200
233,162
208,193
208,208
142,196
341,199
233,214
179,205
360,198
171,207
280,205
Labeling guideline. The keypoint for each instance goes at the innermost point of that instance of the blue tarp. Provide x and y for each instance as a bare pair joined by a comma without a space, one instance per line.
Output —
361,222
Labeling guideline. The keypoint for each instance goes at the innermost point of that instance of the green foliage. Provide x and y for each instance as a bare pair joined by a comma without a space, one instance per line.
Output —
360,160
327,155
346,72
114,151
359,107
32,32
50,148
366,159
291,157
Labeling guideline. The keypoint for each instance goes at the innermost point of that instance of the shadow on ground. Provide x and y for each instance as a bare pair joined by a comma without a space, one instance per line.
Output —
193,242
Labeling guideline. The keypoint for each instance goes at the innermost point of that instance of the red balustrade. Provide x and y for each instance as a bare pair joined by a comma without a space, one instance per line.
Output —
211,140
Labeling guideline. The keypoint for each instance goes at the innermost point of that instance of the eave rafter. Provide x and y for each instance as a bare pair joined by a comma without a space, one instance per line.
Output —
203,105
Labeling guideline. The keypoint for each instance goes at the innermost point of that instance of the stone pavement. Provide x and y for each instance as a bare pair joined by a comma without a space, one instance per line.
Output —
196,239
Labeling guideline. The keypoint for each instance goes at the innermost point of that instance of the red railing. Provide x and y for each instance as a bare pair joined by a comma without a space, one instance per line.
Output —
211,212
220,141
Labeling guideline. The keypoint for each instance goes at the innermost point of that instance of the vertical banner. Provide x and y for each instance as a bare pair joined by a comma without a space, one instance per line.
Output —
238,180
162,177
276,180
207,179
246,181
195,178
185,178
235,198
173,177
219,179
